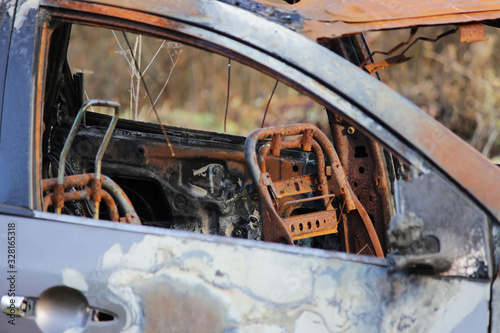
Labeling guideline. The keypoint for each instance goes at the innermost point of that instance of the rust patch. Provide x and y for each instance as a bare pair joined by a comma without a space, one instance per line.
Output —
314,29
470,33
180,306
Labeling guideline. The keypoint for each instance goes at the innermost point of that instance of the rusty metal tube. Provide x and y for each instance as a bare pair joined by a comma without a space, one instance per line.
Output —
68,182
368,225
102,147
85,194
74,130
334,161
323,184
114,215
107,136
121,198
263,152
108,185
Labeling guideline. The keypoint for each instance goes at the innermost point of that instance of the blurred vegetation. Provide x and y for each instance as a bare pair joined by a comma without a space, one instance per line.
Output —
454,82
190,85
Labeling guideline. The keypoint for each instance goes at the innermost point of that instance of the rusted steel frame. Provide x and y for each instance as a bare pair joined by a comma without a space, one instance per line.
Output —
383,188
275,230
84,194
277,144
367,174
371,186
108,185
289,130
39,125
272,227
338,170
328,197
288,207
266,148
306,184
368,225
311,224
100,152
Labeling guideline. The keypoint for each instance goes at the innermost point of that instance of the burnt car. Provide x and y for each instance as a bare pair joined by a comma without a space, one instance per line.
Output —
374,218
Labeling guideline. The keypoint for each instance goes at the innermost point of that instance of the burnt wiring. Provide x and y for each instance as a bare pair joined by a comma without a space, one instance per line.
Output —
394,60
148,93
228,90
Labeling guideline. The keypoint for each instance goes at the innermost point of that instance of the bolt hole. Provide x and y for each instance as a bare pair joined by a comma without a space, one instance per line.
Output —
360,152
317,224
309,225
361,170
355,184
295,168
292,227
301,227
140,152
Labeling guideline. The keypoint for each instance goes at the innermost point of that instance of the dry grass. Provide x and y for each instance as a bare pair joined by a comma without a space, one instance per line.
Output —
188,84
455,83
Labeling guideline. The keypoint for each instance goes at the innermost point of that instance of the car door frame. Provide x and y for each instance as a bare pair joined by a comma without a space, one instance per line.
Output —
26,37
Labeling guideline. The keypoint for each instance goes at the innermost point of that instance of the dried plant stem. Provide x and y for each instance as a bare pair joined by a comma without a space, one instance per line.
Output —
173,58
149,96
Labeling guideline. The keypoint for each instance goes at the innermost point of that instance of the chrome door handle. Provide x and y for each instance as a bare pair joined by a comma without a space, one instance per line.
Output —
56,310
18,306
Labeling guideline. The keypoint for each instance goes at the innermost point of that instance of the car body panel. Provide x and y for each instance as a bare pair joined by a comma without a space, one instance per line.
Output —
162,278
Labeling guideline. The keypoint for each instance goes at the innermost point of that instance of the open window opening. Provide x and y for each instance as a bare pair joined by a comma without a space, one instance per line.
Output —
168,162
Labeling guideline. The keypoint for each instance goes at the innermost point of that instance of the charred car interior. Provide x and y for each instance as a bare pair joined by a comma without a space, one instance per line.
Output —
285,184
